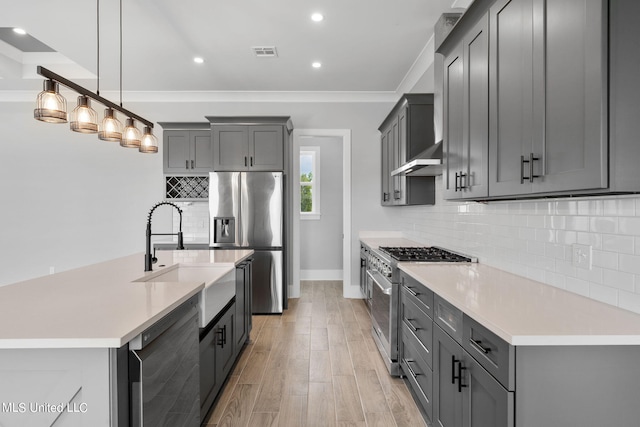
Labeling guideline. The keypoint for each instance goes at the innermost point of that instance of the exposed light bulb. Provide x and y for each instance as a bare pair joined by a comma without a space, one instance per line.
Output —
130,135
148,143
84,119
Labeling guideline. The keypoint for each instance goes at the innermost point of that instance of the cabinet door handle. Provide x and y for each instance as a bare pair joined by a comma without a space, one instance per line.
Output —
410,325
396,194
460,369
186,164
220,333
463,176
411,371
478,346
251,161
385,197
522,162
457,177
532,158
531,176
192,164
453,369
245,160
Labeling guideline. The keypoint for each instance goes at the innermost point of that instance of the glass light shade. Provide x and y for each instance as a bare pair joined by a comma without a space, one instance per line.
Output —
84,119
51,107
149,143
130,135
111,127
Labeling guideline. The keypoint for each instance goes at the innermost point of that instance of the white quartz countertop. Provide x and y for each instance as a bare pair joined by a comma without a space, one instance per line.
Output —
526,312
100,305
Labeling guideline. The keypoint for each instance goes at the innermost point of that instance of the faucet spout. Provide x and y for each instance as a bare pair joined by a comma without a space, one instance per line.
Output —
149,260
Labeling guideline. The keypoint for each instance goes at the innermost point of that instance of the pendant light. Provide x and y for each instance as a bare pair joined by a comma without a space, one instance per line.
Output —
130,135
84,119
148,143
51,107
111,127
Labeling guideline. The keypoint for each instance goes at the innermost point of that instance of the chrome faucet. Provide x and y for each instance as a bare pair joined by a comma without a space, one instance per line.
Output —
149,260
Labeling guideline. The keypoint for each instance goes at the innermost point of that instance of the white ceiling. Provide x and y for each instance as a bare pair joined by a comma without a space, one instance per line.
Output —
364,45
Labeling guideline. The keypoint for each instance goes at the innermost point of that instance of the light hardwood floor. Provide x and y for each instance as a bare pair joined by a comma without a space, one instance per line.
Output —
316,365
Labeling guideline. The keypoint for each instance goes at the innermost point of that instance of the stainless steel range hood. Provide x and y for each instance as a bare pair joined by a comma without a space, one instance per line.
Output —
427,163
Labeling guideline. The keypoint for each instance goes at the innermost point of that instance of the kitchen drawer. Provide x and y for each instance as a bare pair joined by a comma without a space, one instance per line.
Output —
491,351
415,320
421,295
448,317
417,371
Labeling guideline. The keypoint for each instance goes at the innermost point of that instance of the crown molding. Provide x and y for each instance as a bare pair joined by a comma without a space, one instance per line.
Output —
418,68
225,96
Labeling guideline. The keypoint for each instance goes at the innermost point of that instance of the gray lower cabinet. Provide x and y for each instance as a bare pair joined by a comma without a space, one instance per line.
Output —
217,356
187,151
242,327
416,341
465,394
248,147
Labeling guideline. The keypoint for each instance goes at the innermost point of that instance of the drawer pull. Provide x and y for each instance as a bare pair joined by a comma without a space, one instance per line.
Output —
410,290
411,371
478,346
410,325
460,369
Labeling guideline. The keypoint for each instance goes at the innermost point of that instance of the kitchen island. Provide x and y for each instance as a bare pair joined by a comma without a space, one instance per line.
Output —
61,335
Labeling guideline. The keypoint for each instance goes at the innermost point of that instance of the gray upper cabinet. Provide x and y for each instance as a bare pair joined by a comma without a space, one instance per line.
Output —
466,126
407,131
548,109
187,151
248,147
561,105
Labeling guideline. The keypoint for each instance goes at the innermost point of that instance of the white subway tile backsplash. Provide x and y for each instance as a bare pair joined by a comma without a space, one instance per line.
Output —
533,238
618,243
630,263
603,224
619,280
577,286
603,293
629,225
629,301
605,259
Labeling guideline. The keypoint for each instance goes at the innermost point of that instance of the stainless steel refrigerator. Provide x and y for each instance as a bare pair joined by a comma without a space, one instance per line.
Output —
246,211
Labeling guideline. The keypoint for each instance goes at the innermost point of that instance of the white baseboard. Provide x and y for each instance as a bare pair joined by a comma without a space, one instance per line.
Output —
321,275
352,292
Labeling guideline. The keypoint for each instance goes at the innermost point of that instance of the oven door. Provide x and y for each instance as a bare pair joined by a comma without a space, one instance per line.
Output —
381,312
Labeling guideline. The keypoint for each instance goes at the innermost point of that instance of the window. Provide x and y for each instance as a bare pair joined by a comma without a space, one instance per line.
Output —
309,183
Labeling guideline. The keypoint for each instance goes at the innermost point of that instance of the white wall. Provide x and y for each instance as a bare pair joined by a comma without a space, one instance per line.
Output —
321,239
68,199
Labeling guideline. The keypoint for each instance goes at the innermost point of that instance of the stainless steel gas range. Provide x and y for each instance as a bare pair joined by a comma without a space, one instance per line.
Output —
384,281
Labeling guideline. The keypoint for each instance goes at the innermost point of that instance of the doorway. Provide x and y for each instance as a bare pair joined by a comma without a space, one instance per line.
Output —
321,227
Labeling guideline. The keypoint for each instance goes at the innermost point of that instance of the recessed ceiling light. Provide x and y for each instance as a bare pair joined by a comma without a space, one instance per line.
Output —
19,31
317,17
316,65
198,60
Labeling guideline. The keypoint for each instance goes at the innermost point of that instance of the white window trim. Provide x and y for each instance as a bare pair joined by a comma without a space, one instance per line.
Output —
315,153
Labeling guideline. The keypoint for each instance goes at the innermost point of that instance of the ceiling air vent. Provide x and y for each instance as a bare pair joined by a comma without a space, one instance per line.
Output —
265,51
